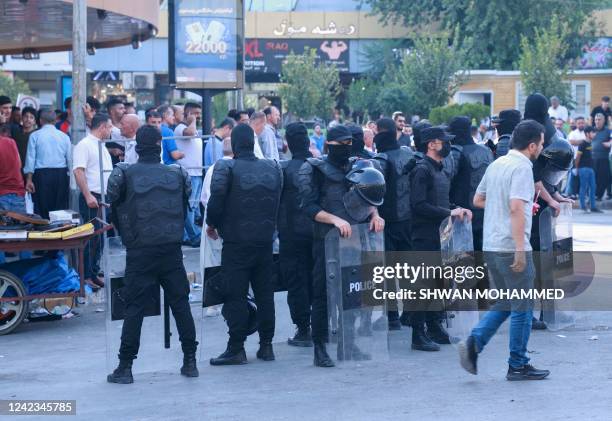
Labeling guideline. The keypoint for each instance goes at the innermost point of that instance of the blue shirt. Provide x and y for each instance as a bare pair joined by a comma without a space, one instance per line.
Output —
209,158
47,148
168,145
318,140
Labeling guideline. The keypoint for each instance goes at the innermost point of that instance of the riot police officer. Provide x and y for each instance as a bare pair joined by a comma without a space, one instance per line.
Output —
506,122
358,146
396,164
430,205
149,203
295,231
243,209
473,163
322,188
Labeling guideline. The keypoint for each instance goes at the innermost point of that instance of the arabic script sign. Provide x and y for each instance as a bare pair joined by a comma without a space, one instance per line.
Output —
286,30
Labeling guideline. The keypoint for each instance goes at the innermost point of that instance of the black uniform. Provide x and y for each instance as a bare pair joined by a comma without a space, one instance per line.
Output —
149,203
243,207
358,145
473,163
396,164
295,231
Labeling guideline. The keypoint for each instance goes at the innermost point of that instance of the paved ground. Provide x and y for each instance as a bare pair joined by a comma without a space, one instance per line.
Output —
68,360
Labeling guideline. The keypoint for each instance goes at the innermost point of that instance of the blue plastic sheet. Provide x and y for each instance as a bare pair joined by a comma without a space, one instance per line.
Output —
45,275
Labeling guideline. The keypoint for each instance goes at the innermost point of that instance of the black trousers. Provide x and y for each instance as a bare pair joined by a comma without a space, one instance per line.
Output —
602,176
241,265
397,238
418,318
320,329
296,262
52,190
145,268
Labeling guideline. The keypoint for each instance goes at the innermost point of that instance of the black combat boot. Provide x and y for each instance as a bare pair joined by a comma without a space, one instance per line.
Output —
189,368
301,338
421,342
122,374
265,351
321,357
437,333
233,355
527,372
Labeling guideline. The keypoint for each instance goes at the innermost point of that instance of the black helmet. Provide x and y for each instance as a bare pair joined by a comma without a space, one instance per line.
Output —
556,159
368,182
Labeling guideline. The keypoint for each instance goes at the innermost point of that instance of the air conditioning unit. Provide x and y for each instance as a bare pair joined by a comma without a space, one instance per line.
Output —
143,80
127,80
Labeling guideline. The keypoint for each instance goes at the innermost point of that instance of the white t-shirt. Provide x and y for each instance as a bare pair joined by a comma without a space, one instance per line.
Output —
576,135
559,112
508,177
192,148
130,155
86,155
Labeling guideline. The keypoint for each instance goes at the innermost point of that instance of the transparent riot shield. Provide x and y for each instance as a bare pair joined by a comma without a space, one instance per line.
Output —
556,263
160,349
352,303
457,251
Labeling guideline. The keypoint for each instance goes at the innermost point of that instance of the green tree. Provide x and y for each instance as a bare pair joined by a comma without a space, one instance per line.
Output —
490,30
12,87
309,89
362,97
219,107
542,68
476,112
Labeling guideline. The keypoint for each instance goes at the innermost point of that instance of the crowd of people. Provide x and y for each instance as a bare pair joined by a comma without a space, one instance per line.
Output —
245,185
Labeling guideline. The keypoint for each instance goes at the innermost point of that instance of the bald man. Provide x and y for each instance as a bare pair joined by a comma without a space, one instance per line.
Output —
128,125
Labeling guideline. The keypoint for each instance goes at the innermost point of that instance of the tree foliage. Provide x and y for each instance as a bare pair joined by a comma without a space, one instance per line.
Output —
542,68
476,112
12,87
491,30
309,88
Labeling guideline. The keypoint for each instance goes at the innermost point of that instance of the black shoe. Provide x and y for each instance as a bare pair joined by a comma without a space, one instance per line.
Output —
189,368
421,342
353,353
301,338
596,210
321,357
265,352
231,356
395,324
405,318
437,333
527,372
468,355
122,374
537,324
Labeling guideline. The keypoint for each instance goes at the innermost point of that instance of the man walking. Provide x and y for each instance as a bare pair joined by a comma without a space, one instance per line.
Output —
506,193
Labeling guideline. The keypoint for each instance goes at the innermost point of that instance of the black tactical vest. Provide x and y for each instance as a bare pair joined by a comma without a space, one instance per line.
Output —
503,145
291,220
396,165
476,160
154,206
251,206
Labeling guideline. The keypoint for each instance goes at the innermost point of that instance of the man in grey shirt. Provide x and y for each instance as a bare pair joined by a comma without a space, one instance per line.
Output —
601,150
506,193
268,139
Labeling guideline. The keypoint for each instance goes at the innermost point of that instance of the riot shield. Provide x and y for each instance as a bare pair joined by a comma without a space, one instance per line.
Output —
556,263
160,349
457,250
352,304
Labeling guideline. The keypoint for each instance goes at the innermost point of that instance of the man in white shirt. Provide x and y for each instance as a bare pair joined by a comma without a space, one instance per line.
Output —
506,192
192,162
86,168
268,138
557,110
575,138
129,126
258,124
116,109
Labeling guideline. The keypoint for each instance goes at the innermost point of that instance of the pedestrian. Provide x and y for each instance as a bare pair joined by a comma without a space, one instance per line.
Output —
28,126
603,108
358,145
601,149
268,139
257,121
170,152
87,155
575,138
189,142
47,164
129,126
179,115
153,118
242,210
115,109
154,256
506,193
583,168
368,140
559,123
556,110
214,148
400,123
318,137
65,124
295,231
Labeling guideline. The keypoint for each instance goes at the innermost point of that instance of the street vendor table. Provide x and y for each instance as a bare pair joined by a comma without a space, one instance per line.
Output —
76,247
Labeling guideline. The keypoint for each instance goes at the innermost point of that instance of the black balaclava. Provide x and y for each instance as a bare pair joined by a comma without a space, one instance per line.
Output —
416,133
148,144
298,141
509,120
243,142
461,127
386,141
536,108
358,143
